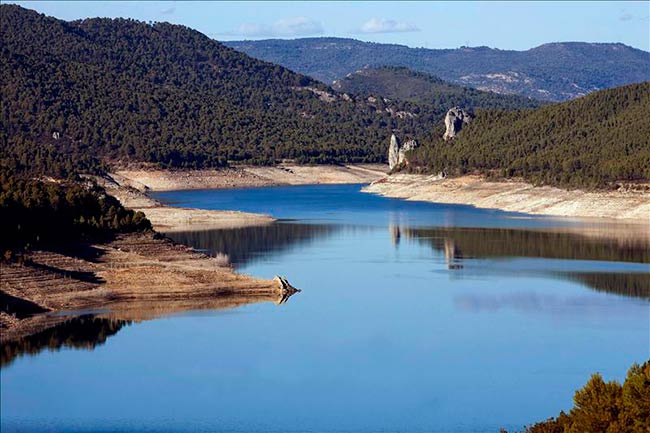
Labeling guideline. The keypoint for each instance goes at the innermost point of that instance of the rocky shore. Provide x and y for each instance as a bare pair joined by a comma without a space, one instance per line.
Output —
513,196
133,195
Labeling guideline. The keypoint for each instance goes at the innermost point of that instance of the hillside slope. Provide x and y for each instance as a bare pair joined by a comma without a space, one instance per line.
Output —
553,72
407,85
76,94
593,141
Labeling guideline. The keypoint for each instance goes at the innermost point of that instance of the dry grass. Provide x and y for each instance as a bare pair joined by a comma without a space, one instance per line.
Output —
135,273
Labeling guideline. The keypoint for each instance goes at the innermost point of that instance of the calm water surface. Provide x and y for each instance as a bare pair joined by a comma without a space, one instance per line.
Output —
414,317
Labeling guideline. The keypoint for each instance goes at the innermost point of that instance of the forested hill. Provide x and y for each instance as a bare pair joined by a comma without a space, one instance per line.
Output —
75,94
553,72
593,141
404,84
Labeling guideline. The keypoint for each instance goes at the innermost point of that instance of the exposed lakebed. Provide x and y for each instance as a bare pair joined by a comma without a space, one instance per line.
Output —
413,317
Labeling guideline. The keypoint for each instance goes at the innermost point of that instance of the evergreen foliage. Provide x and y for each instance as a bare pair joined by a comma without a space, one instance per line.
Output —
593,141
406,85
38,214
606,407
119,89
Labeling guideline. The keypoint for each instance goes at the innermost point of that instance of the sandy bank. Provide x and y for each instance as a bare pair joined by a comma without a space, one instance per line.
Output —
517,197
131,186
251,176
168,218
133,276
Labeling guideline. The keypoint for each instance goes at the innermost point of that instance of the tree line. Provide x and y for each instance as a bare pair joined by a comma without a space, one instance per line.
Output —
41,214
123,90
591,142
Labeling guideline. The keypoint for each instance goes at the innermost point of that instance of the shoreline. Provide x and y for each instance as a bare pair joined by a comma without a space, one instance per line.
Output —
516,196
136,276
245,176
510,196
131,187
141,276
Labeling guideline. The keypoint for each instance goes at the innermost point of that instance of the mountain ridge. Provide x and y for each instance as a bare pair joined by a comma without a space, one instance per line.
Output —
77,93
401,83
81,93
536,72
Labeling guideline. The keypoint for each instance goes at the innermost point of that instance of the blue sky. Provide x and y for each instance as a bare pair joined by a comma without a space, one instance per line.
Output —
505,25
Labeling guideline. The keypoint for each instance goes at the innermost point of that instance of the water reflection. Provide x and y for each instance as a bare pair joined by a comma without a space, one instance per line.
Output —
88,331
375,296
243,245
82,332
540,304
459,245
622,257
628,284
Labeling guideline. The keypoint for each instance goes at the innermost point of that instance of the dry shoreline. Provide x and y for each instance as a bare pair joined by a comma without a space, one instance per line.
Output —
131,187
250,176
630,207
134,276
514,196
141,276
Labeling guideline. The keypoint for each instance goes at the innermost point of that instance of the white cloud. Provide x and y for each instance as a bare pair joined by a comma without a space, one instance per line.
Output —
376,25
297,26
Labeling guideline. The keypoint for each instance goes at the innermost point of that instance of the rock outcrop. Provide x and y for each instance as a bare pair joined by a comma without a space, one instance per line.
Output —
393,152
455,119
397,153
286,289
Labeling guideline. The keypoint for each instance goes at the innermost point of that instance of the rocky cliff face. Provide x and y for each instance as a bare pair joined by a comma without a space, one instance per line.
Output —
397,152
455,119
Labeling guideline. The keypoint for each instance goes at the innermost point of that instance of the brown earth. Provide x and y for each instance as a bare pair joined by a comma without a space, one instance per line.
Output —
135,276
139,277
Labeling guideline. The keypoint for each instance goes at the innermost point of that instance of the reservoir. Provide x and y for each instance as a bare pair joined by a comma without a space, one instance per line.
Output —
413,317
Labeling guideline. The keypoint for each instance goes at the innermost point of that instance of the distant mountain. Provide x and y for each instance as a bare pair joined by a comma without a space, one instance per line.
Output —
406,85
552,72
593,141
77,94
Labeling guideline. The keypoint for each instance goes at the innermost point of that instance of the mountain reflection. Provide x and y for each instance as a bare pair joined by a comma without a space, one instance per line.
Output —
628,284
460,244
243,245
82,332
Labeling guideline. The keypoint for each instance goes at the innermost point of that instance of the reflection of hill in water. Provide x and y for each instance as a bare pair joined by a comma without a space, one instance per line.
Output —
462,243
480,242
83,332
629,284
242,245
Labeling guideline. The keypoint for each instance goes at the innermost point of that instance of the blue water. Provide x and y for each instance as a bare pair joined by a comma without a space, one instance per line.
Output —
414,317
347,205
